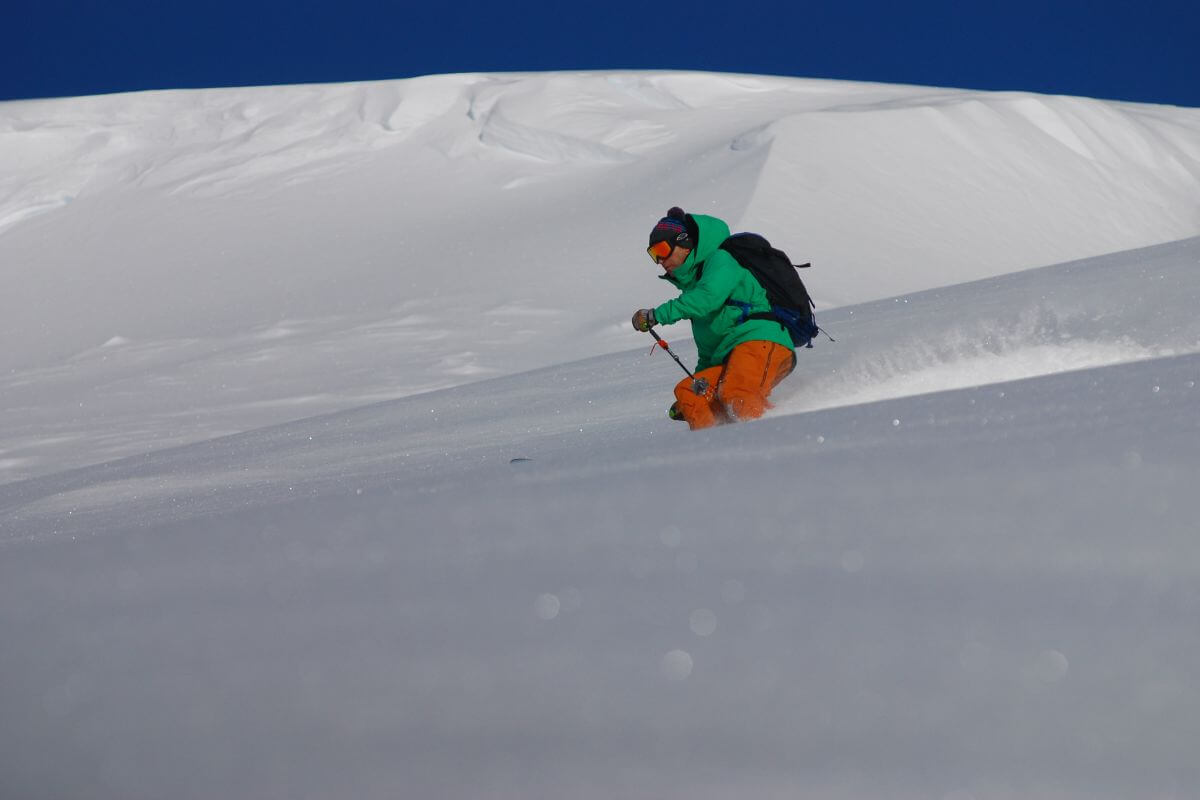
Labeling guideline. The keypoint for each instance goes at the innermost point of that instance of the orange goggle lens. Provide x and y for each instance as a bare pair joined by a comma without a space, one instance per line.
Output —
659,251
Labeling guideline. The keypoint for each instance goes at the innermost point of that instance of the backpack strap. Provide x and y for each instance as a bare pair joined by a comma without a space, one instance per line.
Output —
746,315
745,307
769,315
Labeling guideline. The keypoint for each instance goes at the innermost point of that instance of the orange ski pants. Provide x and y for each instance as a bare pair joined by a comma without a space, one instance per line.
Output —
737,389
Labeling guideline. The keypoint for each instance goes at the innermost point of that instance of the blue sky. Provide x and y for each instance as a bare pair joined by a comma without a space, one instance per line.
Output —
1142,51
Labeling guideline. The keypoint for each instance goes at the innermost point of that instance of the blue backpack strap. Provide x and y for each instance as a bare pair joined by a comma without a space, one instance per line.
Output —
745,307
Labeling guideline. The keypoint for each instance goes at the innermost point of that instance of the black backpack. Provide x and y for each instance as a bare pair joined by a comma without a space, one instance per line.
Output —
791,306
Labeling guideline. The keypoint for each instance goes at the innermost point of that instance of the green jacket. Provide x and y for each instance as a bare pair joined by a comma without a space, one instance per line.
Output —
715,325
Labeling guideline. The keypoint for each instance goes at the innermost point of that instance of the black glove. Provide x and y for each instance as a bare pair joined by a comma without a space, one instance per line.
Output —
643,319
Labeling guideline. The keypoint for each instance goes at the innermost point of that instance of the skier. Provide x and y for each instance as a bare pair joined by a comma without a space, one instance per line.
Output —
740,360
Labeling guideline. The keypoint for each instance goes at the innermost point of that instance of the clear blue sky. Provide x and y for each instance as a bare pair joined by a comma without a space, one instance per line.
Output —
1144,51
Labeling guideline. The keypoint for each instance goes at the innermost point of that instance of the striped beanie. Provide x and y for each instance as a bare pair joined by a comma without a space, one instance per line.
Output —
673,228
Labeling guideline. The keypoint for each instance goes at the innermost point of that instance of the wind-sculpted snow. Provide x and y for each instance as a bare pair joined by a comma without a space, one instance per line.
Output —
207,142
499,131
992,170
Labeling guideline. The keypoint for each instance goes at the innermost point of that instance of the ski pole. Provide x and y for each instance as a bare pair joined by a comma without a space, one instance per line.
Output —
699,385
663,344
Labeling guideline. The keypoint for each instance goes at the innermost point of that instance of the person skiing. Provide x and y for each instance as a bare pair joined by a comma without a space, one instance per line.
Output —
740,359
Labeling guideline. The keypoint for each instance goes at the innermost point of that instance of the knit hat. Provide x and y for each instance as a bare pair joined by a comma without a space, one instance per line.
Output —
673,228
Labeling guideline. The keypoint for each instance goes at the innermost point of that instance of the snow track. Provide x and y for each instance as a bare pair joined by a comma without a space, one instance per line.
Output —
1092,313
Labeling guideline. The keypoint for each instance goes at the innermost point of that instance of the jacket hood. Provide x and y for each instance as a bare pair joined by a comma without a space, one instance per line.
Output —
712,231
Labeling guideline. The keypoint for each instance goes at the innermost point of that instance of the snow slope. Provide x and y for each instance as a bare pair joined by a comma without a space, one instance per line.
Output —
180,265
1104,311
957,560
986,592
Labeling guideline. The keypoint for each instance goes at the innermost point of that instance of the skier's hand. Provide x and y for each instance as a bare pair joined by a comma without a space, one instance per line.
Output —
643,319
674,413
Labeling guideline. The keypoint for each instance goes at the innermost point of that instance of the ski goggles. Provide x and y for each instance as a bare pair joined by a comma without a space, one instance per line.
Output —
659,251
